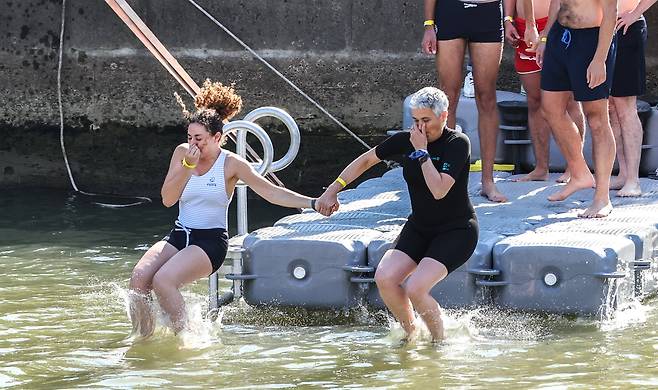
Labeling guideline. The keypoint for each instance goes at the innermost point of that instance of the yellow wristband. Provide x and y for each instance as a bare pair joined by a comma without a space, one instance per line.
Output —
428,22
188,165
543,39
341,182
508,19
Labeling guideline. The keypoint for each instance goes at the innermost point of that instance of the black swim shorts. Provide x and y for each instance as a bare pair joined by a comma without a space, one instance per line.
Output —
566,59
214,242
473,21
451,248
630,78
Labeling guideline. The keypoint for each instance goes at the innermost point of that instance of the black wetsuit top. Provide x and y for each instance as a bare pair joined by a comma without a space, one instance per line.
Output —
450,154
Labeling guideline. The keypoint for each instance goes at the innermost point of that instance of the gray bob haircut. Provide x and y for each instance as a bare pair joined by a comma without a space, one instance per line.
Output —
430,97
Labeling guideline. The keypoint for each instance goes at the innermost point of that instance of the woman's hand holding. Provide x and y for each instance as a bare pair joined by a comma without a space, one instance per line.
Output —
327,203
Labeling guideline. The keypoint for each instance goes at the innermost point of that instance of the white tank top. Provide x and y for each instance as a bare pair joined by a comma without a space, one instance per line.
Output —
204,202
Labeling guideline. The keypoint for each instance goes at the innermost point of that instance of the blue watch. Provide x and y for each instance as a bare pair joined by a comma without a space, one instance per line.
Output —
421,155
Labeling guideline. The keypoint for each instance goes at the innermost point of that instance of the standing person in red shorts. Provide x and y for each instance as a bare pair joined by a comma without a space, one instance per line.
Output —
525,63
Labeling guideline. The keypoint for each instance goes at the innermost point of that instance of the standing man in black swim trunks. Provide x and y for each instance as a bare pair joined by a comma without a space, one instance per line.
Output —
628,82
577,55
442,230
450,25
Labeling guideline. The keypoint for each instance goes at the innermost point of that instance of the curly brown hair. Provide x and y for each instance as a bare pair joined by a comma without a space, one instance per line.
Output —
214,103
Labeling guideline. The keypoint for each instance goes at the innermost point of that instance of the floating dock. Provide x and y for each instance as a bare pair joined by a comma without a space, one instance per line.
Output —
533,255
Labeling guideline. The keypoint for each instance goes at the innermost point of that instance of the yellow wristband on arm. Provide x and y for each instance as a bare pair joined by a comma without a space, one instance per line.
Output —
543,39
340,181
508,19
428,22
188,165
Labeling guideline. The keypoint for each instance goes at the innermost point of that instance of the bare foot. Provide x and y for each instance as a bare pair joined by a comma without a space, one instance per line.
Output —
490,192
535,175
597,210
572,186
564,178
617,182
630,190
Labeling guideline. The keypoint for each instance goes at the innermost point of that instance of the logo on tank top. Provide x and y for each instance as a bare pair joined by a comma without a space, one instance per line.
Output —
445,166
211,182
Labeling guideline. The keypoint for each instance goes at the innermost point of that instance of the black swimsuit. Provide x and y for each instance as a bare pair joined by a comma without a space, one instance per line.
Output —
445,230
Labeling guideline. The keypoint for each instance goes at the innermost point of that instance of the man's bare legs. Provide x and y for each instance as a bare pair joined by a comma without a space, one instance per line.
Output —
603,149
449,65
554,105
575,111
627,130
486,62
539,129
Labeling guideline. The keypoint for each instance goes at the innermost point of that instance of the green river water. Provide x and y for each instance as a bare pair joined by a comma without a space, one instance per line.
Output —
64,269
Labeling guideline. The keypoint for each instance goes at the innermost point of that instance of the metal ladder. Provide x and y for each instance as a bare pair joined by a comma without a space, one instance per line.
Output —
234,253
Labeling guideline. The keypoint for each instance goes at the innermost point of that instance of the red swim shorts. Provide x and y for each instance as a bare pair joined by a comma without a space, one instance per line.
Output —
526,62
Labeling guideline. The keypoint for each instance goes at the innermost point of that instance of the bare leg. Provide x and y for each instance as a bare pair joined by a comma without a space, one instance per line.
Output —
141,283
187,266
616,182
575,111
450,63
554,105
631,135
486,61
421,281
539,130
393,269
603,149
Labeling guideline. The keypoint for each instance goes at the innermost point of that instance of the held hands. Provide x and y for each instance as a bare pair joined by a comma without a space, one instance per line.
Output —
417,136
596,73
429,45
327,203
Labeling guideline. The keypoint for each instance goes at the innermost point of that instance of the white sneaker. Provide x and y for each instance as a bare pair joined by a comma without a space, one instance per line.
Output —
522,91
469,87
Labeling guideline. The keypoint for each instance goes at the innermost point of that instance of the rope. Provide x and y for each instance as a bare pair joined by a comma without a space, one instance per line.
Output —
295,87
141,199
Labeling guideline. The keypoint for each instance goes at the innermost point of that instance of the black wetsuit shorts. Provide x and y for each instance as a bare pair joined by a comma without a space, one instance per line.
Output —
451,247
473,21
214,242
630,78
566,59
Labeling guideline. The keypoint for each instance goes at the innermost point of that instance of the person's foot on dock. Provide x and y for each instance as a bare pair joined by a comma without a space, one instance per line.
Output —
617,182
597,210
574,185
535,175
490,192
631,189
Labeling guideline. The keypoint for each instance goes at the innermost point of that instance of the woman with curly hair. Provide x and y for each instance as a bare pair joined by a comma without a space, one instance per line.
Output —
201,179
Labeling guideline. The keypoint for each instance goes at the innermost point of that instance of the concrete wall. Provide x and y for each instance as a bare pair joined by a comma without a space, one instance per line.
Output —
357,58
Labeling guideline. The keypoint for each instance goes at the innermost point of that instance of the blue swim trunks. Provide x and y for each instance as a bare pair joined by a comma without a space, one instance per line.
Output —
566,58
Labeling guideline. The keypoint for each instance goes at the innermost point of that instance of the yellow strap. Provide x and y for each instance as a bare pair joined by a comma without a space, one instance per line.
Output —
341,182
188,165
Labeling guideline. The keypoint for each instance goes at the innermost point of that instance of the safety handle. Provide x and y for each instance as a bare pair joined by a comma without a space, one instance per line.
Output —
240,277
491,283
358,268
610,275
359,279
483,271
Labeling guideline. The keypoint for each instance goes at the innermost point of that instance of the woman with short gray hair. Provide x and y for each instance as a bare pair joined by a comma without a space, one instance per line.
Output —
442,231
